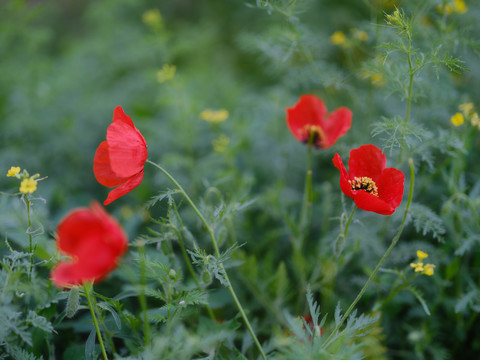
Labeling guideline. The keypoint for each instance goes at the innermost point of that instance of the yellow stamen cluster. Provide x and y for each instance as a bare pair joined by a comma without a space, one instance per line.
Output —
214,116
13,171
28,186
419,266
364,183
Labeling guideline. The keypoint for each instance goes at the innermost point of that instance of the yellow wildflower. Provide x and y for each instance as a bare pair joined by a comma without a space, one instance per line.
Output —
421,255
457,6
417,266
360,35
28,185
167,73
14,170
214,116
220,144
153,18
428,269
457,119
460,6
338,38
378,80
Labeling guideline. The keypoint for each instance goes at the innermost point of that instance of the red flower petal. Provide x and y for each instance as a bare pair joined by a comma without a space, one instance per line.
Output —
344,177
119,115
309,110
337,124
369,202
94,240
128,186
102,170
390,186
367,160
126,148
120,160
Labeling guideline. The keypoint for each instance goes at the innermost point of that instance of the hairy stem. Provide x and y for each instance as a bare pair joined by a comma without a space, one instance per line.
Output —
217,254
29,232
87,288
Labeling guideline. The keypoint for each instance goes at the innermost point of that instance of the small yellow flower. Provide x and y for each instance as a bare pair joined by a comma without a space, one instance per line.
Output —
460,6
338,38
466,108
28,185
475,120
421,255
214,116
220,144
167,73
457,119
457,6
14,170
153,18
417,266
428,269
360,35
378,80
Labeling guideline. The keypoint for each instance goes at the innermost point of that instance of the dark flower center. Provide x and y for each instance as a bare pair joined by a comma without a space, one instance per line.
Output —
364,183
314,134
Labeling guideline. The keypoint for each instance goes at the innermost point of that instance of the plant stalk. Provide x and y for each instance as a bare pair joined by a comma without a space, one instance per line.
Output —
87,288
217,254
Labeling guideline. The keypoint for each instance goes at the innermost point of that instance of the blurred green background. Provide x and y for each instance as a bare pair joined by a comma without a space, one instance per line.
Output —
65,65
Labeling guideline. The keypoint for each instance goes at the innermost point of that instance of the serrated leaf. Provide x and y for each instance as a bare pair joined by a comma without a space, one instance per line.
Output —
39,322
466,300
426,221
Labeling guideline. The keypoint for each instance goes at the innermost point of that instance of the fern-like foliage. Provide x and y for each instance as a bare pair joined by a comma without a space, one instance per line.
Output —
426,221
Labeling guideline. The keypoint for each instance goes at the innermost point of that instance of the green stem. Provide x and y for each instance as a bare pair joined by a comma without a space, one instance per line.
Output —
217,254
305,214
396,290
382,260
141,296
409,94
343,235
30,237
87,288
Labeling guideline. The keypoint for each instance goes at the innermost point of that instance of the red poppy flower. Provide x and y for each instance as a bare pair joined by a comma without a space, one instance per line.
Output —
372,186
309,117
94,240
119,161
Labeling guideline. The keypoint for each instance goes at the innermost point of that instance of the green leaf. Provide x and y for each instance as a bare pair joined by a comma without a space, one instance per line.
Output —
90,346
39,322
426,221
419,297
